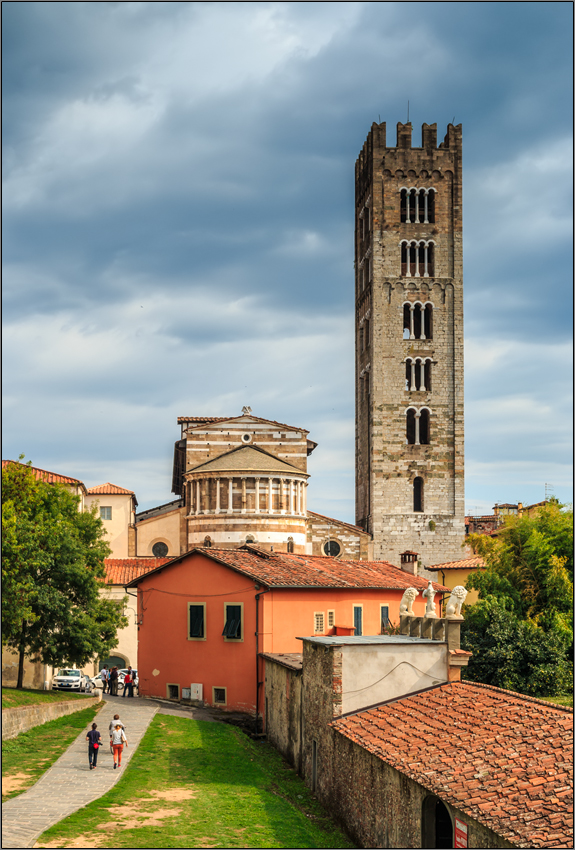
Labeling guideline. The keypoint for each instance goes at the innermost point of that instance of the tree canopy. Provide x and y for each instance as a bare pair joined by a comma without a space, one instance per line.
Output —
52,571
521,629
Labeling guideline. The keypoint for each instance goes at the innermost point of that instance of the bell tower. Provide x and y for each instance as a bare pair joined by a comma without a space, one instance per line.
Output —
409,344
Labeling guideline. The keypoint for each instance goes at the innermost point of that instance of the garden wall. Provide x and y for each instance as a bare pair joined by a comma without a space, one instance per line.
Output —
24,717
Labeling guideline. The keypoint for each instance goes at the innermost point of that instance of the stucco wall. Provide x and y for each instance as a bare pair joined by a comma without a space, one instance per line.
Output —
117,527
455,577
21,718
164,528
127,637
370,675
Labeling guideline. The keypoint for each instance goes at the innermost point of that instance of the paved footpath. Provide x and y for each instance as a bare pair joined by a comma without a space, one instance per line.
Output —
69,784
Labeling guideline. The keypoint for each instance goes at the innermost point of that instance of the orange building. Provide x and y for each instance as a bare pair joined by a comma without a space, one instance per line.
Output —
205,617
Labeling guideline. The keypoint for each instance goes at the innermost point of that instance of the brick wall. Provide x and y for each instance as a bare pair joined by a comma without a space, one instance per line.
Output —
283,711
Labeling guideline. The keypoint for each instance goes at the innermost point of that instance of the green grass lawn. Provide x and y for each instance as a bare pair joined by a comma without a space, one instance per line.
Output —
198,784
562,700
26,757
12,697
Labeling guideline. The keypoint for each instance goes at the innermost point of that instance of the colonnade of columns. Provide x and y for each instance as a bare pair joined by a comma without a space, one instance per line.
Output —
417,255
411,373
252,494
420,195
425,313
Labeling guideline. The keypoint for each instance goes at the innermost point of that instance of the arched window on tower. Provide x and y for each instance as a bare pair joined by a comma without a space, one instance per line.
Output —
427,375
424,427
406,321
418,494
428,322
410,427
290,545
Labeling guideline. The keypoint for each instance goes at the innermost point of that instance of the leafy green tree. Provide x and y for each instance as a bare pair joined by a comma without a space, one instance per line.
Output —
52,567
521,629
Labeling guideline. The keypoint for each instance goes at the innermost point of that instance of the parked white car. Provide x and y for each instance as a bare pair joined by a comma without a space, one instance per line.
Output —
97,680
69,679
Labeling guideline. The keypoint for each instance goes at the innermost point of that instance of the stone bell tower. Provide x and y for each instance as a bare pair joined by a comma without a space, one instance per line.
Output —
409,344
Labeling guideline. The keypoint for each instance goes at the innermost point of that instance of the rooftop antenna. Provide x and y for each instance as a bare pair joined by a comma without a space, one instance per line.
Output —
408,112
548,491
453,120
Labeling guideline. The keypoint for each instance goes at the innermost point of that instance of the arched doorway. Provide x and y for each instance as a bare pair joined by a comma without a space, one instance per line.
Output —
114,661
437,826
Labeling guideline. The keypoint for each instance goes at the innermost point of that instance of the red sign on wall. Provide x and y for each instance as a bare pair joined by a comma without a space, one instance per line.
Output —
460,833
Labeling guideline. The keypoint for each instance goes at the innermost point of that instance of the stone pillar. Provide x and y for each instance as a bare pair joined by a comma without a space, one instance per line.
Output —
291,496
411,331
417,415
198,501
230,495
270,496
413,386
218,496
244,495
257,495
282,495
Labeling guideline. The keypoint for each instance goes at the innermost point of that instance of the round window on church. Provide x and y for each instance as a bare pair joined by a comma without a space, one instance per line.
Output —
246,438
331,548
159,550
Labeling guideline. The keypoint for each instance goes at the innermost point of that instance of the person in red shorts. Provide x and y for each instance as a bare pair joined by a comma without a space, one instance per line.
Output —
118,741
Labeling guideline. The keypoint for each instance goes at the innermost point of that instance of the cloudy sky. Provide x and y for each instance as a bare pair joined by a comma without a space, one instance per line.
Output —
178,226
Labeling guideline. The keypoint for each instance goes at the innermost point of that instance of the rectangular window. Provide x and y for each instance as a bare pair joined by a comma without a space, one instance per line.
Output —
197,621
105,513
233,622
219,696
384,617
358,619
330,619
172,691
318,623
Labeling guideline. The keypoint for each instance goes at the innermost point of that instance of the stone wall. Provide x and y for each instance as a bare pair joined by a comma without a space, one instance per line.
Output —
283,711
355,543
22,718
377,805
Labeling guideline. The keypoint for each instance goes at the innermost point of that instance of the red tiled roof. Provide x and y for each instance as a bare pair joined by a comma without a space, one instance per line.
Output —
474,563
123,570
109,490
339,522
486,518
44,475
503,759
283,570
203,418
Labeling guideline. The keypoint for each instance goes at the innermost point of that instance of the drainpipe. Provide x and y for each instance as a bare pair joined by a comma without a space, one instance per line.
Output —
258,682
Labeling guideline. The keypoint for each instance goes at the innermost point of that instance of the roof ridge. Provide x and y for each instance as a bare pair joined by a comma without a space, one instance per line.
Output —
516,694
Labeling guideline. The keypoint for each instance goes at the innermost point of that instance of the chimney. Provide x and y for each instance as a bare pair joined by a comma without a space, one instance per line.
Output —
408,562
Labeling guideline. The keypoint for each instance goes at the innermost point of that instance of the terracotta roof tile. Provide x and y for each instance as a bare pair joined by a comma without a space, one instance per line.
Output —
109,490
276,569
474,563
123,570
44,475
512,756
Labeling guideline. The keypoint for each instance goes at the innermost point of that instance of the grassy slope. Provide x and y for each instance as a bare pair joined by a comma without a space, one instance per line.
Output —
563,700
11,697
31,753
198,784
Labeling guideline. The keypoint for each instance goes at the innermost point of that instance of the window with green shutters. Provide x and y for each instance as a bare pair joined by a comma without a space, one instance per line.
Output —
233,626
197,621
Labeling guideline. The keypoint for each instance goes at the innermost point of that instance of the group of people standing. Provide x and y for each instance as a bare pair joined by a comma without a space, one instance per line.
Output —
110,679
117,741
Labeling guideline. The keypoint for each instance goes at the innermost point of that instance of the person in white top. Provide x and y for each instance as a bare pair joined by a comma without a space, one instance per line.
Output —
118,741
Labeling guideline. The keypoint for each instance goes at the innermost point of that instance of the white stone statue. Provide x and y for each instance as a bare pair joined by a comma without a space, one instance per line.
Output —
246,410
429,594
456,600
405,606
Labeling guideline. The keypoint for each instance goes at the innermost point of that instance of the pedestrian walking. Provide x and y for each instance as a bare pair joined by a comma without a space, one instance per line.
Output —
118,741
93,738
105,674
129,683
113,690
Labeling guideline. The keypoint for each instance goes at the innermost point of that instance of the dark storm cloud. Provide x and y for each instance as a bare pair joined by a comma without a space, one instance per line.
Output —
179,199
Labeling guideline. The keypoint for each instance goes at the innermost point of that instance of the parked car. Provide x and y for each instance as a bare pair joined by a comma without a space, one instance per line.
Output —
69,679
122,673
97,680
